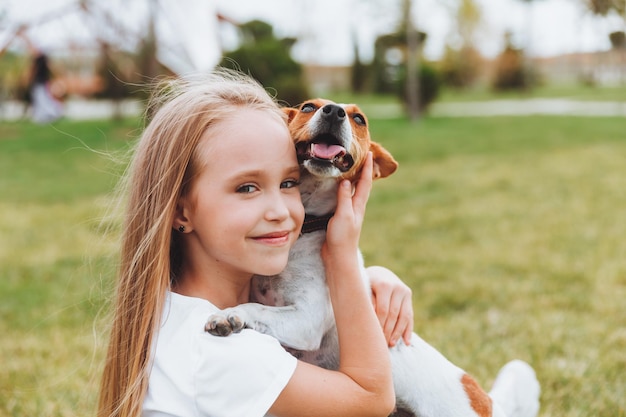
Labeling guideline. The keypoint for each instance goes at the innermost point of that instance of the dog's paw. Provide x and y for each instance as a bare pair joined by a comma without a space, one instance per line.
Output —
221,324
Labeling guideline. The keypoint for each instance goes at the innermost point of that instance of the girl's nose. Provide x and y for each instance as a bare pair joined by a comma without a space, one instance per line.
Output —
278,209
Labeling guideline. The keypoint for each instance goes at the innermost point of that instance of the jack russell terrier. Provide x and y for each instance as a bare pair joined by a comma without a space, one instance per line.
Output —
332,141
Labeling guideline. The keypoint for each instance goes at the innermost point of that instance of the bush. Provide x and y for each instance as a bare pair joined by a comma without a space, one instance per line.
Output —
618,39
509,70
460,68
429,86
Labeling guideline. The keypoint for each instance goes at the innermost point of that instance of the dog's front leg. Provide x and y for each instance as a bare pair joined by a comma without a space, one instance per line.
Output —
297,315
288,324
235,319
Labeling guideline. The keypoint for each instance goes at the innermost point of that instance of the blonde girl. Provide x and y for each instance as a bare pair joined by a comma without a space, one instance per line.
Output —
212,199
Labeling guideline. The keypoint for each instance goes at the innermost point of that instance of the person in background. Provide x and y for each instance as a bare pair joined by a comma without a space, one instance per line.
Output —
45,107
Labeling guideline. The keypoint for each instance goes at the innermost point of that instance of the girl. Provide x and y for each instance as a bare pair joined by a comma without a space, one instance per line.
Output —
212,200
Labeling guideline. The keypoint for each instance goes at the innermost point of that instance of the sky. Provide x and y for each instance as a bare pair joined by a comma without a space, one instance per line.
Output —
325,28
557,26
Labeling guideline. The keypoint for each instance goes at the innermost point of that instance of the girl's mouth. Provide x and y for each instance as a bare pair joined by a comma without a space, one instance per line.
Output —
274,239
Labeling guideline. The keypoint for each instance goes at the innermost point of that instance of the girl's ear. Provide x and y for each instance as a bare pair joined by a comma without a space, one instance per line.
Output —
181,221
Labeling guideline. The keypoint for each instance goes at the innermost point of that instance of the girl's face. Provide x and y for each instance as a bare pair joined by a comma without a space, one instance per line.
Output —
243,212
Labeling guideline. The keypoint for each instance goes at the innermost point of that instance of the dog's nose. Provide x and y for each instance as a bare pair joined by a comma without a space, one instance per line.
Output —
333,112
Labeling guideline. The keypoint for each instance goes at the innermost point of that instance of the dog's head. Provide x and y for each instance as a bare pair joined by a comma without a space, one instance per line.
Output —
332,140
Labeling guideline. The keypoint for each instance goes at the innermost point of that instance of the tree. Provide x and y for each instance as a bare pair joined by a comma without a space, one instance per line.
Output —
604,7
268,60
510,72
461,63
528,72
468,19
412,83
618,39
358,76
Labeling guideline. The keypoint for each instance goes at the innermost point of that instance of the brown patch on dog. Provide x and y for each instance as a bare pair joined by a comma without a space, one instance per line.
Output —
479,400
384,163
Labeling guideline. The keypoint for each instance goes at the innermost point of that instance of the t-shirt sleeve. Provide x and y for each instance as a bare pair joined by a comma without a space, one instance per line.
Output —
240,375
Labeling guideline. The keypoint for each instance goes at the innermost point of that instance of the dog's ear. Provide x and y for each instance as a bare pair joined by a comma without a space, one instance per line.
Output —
384,163
291,112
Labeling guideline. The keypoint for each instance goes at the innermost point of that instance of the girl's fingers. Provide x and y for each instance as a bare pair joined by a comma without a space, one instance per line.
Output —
344,197
354,204
394,322
397,321
392,300
363,185
408,331
404,325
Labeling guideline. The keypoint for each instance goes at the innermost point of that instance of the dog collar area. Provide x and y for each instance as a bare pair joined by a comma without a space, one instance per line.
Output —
315,223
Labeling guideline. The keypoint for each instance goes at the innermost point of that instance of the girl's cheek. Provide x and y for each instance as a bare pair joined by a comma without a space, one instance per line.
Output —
300,214
297,209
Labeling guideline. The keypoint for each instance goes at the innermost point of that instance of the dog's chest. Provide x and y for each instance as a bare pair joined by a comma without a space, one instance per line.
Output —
264,290
318,197
303,275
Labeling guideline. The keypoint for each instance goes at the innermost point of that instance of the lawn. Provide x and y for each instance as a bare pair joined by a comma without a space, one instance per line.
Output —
483,93
551,91
509,230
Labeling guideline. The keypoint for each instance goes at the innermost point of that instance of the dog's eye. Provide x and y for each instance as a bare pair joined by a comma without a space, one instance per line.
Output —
359,119
308,108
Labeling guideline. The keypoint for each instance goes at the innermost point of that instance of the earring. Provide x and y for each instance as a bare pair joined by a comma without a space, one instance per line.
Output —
181,229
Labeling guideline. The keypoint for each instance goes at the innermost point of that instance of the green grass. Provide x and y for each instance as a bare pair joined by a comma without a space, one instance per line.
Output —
389,106
552,91
482,93
509,230
54,262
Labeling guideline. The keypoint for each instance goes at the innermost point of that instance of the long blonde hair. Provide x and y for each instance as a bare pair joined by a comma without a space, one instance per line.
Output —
164,162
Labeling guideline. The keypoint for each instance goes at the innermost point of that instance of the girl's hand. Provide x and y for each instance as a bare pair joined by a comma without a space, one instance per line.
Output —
393,304
344,229
362,383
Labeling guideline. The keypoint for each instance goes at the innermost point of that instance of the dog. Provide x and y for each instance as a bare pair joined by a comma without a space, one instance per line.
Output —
331,142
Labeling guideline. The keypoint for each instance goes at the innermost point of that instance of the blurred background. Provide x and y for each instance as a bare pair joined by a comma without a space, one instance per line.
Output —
505,217
417,50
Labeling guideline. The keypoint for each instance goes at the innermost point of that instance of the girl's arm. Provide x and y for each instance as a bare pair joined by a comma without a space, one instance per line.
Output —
362,386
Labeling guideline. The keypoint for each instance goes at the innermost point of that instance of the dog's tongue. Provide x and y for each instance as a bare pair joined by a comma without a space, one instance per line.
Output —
324,151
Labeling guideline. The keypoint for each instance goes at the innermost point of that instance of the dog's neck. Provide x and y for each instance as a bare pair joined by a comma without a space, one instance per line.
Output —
315,223
319,195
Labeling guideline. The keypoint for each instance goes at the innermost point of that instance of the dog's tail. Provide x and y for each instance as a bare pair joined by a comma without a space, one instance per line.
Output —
516,390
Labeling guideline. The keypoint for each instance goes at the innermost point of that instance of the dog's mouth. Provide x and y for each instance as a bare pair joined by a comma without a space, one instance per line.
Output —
325,149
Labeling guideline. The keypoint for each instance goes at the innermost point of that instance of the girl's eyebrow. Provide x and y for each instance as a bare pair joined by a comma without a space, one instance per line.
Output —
245,175
256,173
293,169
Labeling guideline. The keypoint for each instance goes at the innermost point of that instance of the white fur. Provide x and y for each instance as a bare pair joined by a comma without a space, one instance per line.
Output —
295,308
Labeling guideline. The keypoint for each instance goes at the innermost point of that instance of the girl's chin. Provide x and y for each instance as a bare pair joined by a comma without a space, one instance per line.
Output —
269,263
273,269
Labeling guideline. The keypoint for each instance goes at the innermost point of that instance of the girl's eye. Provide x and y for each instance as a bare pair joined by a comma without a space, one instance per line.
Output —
289,184
246,189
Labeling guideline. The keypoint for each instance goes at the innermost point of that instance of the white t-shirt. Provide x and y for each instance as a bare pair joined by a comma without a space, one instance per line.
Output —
196,374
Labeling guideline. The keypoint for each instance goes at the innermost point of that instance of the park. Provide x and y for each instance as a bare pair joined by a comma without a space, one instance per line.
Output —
508,227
